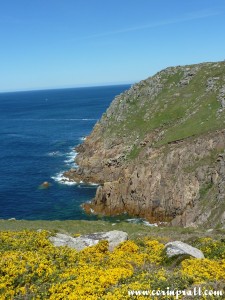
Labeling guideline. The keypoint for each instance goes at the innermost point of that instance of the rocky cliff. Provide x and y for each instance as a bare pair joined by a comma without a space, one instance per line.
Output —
158,151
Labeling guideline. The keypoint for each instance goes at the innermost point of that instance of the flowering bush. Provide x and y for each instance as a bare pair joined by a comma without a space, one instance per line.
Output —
203,270
32,268
213,249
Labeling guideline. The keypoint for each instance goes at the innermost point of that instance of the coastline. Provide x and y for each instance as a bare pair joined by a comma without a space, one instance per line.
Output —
172,172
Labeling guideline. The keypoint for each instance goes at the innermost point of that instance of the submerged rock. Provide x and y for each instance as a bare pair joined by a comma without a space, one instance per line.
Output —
114,238
180,248
45,185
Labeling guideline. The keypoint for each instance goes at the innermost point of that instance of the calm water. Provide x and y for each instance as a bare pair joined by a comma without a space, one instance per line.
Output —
38,131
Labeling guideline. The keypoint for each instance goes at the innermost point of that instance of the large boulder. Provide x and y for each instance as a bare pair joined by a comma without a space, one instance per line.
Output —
114,238
179,248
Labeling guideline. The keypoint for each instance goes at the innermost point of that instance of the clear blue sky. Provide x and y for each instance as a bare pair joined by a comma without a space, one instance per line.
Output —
68,43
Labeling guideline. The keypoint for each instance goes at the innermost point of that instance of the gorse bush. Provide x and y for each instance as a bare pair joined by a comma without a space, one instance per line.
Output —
32,268
211,248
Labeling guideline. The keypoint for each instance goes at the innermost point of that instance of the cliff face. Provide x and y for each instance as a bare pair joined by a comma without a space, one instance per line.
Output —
158,151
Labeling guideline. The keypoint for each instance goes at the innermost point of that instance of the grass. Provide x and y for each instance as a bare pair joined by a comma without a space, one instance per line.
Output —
202,121
134,152
180,112
134,231
205,189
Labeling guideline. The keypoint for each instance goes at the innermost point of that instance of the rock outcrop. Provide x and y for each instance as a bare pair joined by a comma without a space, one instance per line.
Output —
114,237
179,248
158,151
45,185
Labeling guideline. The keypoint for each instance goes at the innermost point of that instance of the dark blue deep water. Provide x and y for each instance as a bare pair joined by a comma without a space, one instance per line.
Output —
38,131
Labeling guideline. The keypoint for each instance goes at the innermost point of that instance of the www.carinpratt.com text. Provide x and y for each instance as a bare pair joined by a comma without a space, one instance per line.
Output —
176,293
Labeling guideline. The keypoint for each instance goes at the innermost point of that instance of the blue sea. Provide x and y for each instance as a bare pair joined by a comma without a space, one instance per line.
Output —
38,133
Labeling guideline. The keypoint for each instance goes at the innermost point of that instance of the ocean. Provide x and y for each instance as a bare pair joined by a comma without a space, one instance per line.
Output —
38,133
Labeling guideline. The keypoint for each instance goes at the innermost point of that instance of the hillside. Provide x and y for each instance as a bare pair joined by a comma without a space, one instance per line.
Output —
158,151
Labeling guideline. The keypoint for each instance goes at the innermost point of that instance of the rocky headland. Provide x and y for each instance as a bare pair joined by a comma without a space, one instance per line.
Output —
158,151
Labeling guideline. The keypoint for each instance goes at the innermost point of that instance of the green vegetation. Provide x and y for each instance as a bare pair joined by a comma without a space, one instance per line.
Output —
205,189
134,231
134,152
32,268
179,110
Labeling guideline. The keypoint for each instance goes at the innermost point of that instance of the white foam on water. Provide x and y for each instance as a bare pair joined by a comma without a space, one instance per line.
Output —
146,223
135,221
70,159
55,153
93,184
60,178
141,221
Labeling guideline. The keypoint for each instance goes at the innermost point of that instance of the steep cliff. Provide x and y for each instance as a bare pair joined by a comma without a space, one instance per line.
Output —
158,151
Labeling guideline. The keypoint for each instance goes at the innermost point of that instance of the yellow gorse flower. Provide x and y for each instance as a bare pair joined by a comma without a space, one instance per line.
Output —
32,268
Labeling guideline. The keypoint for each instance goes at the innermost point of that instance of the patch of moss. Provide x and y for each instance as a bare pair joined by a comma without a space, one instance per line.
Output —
205,189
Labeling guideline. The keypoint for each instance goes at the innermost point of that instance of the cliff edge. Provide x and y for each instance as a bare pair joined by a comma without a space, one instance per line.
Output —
158,151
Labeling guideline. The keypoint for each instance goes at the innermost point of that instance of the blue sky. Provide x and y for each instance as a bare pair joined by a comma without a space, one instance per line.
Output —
69,43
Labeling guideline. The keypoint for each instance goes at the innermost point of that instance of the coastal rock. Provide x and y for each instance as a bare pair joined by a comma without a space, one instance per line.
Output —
45,185
180,248
114,238
221,97
154,156
168,190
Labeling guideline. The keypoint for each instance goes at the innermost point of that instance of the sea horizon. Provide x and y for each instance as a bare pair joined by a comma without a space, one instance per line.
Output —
67,88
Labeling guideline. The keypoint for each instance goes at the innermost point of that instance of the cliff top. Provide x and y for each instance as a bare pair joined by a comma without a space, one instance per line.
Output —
174,104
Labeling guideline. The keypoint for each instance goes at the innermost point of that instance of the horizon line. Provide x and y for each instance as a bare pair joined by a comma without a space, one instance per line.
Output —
67,87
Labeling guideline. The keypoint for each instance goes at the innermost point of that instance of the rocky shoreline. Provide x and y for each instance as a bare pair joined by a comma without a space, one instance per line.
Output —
179,203
165,173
